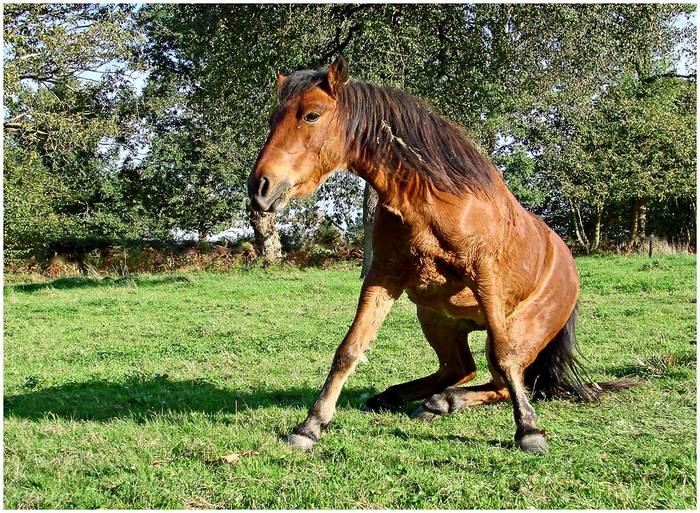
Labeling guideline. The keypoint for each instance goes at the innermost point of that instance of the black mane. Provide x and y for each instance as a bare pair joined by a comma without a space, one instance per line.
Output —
386,125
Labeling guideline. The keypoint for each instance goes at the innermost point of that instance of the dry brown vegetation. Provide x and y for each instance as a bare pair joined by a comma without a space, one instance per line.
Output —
122,261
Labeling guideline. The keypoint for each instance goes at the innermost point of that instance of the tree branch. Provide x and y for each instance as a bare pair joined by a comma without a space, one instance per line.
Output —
339,46
15,118
19,126
647,80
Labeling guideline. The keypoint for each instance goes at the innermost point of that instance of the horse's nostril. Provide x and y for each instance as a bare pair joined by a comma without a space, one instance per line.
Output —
263,186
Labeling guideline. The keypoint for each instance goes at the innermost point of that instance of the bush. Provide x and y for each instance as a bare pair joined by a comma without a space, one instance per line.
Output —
328,235
32,195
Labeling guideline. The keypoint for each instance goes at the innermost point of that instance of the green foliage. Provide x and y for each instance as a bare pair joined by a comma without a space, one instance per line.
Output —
187,181
327,234
33,198
637,142
579,105
647,131
63,64
127,393
65,82
516,73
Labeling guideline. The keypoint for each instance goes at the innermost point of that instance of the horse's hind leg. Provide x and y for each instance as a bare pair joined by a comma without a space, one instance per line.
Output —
454,399
448,337
512,345
508,369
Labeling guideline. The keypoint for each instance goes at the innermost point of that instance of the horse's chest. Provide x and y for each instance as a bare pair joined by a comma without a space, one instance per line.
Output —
440,284
433,273
432,278
430,273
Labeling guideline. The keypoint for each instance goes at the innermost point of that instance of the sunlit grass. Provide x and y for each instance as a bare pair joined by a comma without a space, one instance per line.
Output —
127,394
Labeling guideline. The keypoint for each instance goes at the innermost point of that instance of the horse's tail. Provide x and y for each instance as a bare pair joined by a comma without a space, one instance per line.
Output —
557,372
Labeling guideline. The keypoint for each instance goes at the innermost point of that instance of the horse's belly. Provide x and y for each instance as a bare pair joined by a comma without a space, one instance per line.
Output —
460,303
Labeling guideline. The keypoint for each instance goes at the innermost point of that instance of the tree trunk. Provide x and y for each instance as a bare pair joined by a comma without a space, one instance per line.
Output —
634,225
202,232
490,142
369,206
687,238
642,220
267,240
596,233
578,226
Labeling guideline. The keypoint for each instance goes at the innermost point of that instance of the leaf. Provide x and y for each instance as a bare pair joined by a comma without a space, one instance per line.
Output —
232,458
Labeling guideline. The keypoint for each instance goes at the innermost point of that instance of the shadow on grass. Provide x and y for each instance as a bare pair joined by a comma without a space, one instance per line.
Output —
145,399
673,364
82,282
460,439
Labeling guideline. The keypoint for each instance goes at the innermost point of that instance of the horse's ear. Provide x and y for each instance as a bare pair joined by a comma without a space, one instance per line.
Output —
338,75
280,80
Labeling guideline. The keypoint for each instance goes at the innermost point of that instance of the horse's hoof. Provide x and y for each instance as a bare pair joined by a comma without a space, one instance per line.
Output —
532,443
421,413
381,403
299,441
438,403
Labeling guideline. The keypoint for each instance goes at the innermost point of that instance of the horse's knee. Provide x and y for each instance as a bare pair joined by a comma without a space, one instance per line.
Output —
345,359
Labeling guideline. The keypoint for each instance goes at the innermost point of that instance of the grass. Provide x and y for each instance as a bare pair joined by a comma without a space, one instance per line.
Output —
129,393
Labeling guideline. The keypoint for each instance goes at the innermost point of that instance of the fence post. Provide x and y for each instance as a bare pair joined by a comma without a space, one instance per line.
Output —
651,240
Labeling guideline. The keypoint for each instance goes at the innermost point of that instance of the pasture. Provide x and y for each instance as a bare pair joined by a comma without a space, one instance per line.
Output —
174,390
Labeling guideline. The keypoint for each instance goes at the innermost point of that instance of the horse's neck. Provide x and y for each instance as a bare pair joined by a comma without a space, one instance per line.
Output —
398,192
421,205
407,194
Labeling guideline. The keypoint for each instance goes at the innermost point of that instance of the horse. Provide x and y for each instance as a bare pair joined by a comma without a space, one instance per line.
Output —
448,232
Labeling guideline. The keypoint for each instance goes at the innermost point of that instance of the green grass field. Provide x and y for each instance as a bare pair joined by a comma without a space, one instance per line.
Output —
128,393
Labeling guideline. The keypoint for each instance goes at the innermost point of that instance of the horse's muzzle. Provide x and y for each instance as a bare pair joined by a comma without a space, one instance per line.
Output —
265,197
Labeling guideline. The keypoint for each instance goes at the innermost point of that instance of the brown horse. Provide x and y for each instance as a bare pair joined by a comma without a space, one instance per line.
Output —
448,232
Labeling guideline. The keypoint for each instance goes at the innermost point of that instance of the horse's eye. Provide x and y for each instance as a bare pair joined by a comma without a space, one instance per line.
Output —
311,117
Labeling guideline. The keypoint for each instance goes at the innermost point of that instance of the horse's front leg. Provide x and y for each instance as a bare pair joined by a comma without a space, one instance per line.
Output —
378,294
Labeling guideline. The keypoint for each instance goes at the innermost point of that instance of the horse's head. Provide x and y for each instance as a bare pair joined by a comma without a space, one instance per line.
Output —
306,142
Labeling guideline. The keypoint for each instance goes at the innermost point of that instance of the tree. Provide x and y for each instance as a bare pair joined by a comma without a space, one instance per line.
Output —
369,208
32,203
64,81
187,181
651,135
606,148
540,88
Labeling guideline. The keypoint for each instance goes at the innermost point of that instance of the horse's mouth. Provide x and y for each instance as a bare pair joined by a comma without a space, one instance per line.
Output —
274,201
